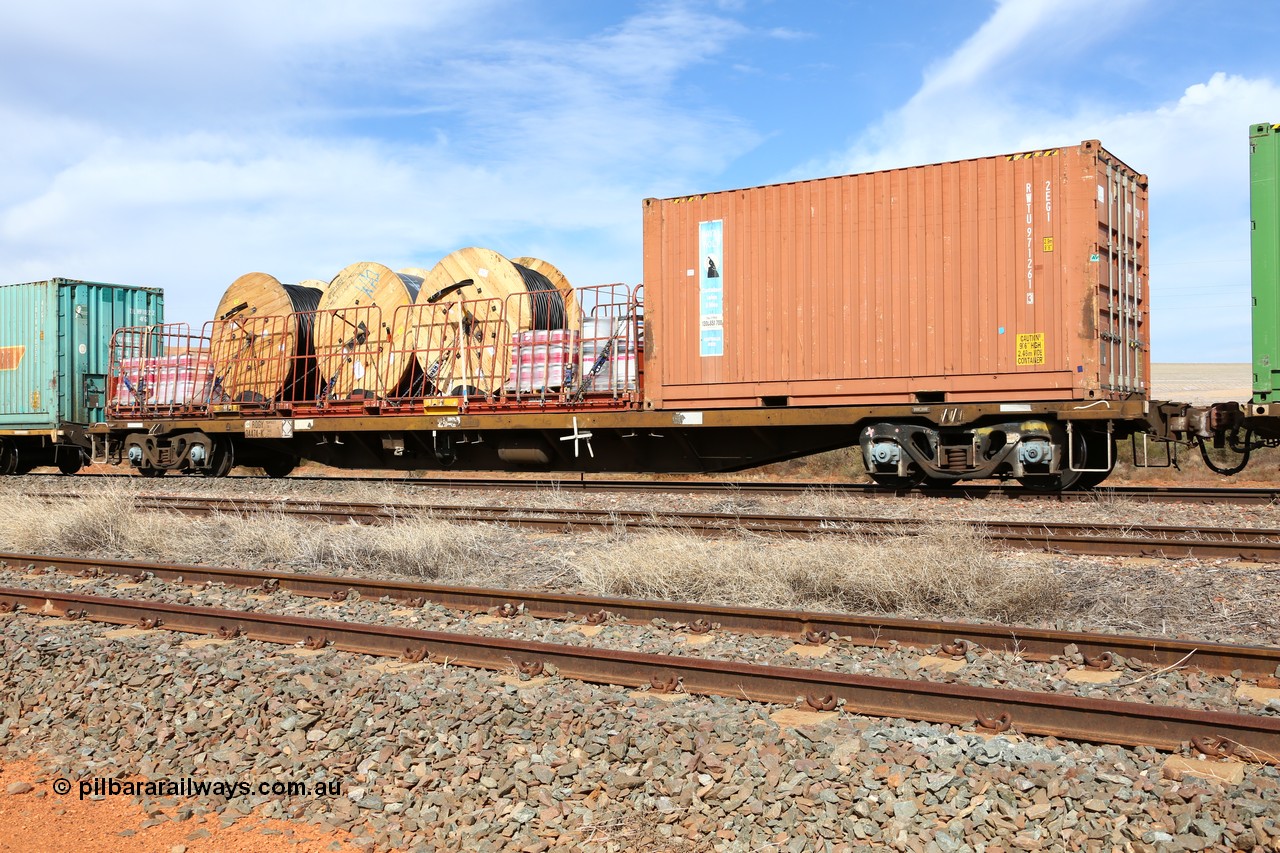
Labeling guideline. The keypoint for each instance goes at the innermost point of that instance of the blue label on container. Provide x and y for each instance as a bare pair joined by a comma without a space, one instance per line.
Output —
712,304
711,288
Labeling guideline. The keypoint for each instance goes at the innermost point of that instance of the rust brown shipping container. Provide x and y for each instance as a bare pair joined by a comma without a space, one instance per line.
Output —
1019,277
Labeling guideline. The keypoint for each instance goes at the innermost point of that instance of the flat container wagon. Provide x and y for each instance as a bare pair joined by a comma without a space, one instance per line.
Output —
976,319
1017,277
55,341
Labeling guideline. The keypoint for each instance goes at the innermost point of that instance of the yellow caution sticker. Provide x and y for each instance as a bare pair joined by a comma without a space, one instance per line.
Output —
1048,244
1031,349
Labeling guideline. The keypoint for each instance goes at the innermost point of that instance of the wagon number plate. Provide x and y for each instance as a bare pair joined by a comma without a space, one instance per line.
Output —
268,429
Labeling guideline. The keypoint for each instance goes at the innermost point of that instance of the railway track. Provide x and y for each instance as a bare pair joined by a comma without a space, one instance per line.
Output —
1031,643
1145,494
1094,720
1260,545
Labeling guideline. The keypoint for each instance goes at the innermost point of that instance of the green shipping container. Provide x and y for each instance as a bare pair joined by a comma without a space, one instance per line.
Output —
55,338
1264,210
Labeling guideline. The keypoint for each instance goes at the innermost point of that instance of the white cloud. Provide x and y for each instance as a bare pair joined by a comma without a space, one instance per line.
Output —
984,97
148,64
1192,146
1004,32
253,154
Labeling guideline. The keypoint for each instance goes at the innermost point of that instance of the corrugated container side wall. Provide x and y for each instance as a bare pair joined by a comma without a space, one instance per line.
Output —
55,338
1012,277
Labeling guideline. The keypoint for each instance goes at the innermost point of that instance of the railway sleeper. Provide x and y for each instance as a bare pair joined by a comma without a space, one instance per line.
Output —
1037,453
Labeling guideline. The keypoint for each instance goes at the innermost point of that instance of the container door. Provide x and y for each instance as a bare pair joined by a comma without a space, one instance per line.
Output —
94,307
85,387
1123,338
28,356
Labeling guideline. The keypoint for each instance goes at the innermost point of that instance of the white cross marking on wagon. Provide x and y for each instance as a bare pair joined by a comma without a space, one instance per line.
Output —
577,437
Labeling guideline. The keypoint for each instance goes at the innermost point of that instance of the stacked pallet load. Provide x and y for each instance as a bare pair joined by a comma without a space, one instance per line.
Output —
609,354
542,360
171,381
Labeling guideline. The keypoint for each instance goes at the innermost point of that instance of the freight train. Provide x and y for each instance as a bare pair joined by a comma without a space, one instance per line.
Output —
976,319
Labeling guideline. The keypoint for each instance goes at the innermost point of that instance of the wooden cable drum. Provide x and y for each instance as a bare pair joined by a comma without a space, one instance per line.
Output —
359,349
572,313
471,292
314,283
261,341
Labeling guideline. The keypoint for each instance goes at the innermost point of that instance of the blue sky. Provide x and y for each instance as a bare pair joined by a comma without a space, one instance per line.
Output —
180,145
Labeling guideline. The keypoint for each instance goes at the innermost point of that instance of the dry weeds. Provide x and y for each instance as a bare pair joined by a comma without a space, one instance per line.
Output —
1222,601
625,828
108,523
948,571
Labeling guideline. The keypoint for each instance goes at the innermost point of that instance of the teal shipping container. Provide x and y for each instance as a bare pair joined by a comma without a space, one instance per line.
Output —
55,340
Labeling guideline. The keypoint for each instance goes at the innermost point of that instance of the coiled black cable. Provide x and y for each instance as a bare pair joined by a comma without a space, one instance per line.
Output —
305,302
303,380
548,302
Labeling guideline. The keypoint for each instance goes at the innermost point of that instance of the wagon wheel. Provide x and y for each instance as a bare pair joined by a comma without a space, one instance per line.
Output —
148,471
276,467
222,459
1091,447
1097,442
8,458
70,460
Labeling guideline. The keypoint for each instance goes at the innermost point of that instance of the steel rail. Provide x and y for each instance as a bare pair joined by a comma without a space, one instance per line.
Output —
1156,494
1081,538
1032,643
1091,720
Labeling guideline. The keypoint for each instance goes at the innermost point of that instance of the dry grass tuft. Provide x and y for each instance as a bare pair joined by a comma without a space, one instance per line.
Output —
623,828
109,523
423,548
947,571
104,520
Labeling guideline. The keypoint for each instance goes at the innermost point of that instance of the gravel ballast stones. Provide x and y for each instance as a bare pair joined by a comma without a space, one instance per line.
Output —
454,759
1129,681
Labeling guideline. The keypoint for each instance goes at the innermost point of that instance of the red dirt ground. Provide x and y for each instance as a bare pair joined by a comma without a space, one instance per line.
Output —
34,824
